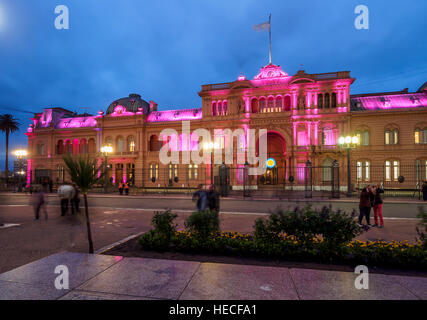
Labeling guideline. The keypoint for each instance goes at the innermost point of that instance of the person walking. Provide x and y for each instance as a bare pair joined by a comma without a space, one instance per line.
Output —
202,198
76,199
378,206
365,205
38,203
127,188
424,190
121,188
213,199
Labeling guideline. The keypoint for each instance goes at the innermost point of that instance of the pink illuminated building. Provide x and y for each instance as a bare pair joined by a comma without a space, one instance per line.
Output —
304,115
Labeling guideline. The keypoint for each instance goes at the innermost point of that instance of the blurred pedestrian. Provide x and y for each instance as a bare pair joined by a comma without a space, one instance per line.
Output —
213,199
121,188
424,191
66,193
76,199
202,198
126,188
378,206
39,203
365,205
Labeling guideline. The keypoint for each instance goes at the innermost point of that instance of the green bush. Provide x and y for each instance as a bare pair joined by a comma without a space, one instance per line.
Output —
203,223
335,227
163,223
422,234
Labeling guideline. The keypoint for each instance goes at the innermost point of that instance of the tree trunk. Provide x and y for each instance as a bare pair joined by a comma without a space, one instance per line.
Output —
89,233
7,156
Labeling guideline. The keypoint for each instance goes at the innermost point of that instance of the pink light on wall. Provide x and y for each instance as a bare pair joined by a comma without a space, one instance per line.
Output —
271,71
78,122
29,166
124,174
121,111
241,78
175,115
409,100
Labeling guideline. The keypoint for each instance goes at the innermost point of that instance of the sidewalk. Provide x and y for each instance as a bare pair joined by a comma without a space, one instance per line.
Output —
95,277
229,198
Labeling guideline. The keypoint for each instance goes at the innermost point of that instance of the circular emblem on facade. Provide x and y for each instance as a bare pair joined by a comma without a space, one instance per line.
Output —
270,163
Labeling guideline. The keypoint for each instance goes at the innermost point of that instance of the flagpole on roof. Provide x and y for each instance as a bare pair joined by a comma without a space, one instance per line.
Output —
269,32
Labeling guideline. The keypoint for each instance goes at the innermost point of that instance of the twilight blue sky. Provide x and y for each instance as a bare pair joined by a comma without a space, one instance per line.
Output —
165,50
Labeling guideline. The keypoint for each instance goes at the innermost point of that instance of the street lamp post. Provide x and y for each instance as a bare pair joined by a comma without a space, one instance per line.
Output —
211,146
348,142
105,151
20,154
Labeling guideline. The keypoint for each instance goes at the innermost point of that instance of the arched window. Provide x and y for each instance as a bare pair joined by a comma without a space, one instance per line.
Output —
327,170
320,101
254,105
109,141
365,138
154,143
395,136
270,104
334,100
219,108
327,100
387,137
76,146
287,103
279,104
193,171
91,145
328,136
120,144
224,108
68,146
391,136
262,104
214,108
60,147
83,146
425,136
131,144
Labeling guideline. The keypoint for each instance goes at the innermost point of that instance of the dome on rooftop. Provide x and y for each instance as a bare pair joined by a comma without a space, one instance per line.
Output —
131,103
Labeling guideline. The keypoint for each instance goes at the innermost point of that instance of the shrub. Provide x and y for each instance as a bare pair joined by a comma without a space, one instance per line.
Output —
203,223
422,234
163,223
335,227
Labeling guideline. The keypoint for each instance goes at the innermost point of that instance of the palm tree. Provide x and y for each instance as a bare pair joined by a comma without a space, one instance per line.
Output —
8,125
84,173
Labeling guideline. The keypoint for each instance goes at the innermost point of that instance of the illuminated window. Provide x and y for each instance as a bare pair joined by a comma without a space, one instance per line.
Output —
365,138
327,170
391,136
387,171
120,144
396,170
173,170
417,136
153,171
131,144
395,136
60,174
392,170
220,141
193,171
425,135
363,170
387,137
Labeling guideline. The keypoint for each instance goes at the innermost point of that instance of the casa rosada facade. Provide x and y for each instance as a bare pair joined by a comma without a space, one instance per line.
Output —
304,115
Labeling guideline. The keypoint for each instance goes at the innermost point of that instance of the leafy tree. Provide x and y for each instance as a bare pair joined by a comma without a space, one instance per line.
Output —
8,125
84,173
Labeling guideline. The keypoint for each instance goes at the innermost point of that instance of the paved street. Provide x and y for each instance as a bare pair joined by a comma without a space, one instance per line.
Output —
97,277
398,208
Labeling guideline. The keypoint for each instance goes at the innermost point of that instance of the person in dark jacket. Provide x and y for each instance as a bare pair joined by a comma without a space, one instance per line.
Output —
126,187
202,198
213,199
378,206
425,191
76,200
121,185
365,204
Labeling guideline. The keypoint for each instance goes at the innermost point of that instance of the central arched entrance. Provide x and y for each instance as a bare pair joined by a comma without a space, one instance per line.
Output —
276,166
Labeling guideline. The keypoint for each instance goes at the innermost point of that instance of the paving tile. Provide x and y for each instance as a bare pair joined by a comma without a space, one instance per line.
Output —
81,267
334,285
152,278
21,291
416,285
240,282
86,295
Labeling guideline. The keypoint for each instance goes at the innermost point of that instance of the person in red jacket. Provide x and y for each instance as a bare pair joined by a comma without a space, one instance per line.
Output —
378,206
365,204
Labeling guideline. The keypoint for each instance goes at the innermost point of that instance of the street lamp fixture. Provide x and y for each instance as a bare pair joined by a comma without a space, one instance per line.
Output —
20,154
348,142
106,150
210,147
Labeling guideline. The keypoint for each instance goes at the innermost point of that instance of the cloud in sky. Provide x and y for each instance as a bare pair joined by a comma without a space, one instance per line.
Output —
165,50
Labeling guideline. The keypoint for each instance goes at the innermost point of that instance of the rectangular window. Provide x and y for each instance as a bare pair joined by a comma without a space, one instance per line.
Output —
387,171
359,171
387,137
396,170
367,171
417,136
